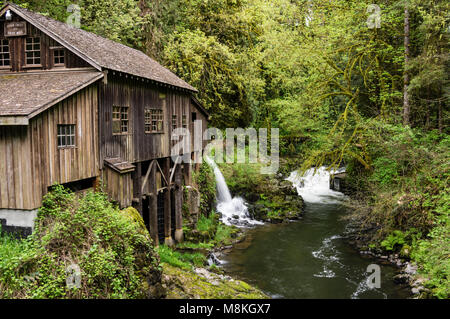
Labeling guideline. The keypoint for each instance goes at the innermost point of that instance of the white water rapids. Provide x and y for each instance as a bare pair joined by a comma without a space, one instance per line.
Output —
314,185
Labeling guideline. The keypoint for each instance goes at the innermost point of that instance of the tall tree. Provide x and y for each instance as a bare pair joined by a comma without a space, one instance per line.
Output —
406,106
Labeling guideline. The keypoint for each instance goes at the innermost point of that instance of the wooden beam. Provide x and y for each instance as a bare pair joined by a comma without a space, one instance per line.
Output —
173,169
137,187
187,173
144,183
162,174
167,207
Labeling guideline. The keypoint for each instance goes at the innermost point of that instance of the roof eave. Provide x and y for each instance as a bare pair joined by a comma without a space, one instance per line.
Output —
14,120
200,106
64,96
187,88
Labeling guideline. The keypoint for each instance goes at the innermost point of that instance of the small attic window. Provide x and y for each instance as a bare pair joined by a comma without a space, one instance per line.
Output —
59,55
33,51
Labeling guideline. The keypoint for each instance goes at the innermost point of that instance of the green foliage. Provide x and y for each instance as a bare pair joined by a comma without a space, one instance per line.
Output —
207,223
407,192
116,257
385,171
433,256
225,235
194,246
206,183
242,177
397,239
180,260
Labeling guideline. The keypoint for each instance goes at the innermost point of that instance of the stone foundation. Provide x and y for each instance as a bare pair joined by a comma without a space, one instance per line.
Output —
18,222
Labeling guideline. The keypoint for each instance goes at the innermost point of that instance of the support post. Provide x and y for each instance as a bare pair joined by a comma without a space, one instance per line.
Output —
167,206
137,180
187,173
153,207
178,205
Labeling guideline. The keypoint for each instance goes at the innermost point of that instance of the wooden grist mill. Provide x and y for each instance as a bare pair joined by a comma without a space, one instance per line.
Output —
81,110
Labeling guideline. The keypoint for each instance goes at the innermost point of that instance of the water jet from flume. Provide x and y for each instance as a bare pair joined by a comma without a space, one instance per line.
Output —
234,210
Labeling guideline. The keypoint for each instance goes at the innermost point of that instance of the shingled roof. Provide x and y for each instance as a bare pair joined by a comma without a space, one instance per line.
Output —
100,52
43,91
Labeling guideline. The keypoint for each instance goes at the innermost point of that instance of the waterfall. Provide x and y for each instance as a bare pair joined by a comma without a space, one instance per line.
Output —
314,185
234,210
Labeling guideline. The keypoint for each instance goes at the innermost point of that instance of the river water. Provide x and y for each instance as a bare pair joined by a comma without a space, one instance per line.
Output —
309,258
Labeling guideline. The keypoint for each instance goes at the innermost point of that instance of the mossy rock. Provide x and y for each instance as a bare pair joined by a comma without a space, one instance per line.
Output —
187,284
133,214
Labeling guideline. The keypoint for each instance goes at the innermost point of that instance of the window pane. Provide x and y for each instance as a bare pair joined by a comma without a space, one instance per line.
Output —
33,50
116,127
66,135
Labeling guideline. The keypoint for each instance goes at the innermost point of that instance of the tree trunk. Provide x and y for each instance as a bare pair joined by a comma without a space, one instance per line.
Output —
428,110
406,106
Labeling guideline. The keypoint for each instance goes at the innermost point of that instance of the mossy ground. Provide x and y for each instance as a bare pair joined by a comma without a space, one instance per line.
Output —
185,269
187,284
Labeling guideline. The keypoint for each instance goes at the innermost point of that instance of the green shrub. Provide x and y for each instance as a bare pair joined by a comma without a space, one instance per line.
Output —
396,238
206,183
116,258
385,171
433,257
207,223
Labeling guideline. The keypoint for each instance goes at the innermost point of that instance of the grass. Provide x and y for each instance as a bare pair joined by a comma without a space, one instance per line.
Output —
10,246
181,260
206,223
191,245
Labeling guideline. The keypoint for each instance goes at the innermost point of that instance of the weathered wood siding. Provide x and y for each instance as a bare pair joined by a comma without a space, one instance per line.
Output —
119,187
16,187
31,160
63,165
138,146
17,50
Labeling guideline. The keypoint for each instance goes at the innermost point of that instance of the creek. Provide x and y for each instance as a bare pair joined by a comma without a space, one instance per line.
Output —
309,258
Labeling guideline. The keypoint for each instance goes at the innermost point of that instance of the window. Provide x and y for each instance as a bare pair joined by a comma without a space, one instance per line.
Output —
184,121
4,53
194,116
66,136
174,122
58,57
120,120
154,121
33,51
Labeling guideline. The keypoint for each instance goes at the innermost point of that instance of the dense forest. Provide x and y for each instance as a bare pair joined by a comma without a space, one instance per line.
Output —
346,82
